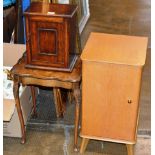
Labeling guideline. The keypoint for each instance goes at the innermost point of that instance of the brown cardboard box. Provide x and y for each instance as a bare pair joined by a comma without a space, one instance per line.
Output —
11,53
11,124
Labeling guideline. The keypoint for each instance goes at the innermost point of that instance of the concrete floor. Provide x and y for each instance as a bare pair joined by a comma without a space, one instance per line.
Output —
60,142
119,17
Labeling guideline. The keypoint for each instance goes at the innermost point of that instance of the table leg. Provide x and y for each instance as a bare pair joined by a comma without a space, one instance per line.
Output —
58,102
77,111
19,111
33,100
83,145
70,96
130,149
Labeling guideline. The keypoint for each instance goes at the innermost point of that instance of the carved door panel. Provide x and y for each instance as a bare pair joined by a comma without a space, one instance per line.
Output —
45,42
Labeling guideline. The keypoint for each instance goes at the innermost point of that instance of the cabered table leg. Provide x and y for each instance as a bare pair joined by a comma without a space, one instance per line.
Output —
130,149
83,145
18,106
33,100
58,102
70,96
77,111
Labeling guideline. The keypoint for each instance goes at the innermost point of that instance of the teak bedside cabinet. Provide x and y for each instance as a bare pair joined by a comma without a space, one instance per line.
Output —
51,31
111,79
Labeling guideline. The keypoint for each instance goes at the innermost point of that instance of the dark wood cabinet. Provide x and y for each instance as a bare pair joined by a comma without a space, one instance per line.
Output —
51,36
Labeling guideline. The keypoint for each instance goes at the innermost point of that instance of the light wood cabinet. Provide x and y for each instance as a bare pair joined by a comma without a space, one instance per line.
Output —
111,79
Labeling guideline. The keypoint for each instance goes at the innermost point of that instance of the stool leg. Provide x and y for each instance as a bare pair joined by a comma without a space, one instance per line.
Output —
19,111
77,111
130,149
84,145
34,101
58,102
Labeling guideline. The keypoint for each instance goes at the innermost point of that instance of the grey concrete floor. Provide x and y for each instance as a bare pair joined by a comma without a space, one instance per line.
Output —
60,142
107,16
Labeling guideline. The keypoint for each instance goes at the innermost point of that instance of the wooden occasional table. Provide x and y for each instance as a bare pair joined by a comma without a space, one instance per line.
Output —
55,79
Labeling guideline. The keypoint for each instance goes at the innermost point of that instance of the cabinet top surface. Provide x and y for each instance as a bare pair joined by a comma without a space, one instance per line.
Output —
51,9
119,49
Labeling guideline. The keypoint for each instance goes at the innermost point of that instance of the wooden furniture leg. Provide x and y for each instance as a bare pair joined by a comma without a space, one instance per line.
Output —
58,102
130,149
77,111
19,111
83,145
62,95
34,101
70,96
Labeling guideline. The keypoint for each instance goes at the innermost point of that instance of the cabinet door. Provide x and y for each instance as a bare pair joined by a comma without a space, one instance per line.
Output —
46,41
110,95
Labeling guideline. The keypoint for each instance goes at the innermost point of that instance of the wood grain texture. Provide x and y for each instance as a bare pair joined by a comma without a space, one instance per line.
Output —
51,36
39,8
58,102
111,80
33,100
84,145
24,76
20,70
130,149
106,108
119,49
16,85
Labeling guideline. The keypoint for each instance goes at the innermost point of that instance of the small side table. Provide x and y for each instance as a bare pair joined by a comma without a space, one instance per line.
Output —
55,79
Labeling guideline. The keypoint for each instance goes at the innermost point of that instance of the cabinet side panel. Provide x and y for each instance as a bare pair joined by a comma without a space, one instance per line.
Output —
110,95
27,40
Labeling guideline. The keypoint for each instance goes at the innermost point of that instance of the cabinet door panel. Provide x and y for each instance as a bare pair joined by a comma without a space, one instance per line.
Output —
110,95
45,46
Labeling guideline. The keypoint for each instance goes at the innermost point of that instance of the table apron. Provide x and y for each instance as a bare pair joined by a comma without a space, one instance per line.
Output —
48,82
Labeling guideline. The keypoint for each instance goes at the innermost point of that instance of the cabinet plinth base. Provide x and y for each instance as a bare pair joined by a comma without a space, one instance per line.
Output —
73,59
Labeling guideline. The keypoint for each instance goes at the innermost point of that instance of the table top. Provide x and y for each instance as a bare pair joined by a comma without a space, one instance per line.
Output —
118,49
20,70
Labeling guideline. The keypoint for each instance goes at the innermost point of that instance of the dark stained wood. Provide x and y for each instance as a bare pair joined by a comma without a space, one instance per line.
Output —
20,70
51,36
19,110
55,79
122,17
77,94
34,101
39,8
58,102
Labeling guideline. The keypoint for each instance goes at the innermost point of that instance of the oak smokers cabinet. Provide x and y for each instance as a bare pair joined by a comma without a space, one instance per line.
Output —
111,79
51,36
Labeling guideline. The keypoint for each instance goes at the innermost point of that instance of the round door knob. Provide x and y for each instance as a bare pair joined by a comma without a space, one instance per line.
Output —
129,101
